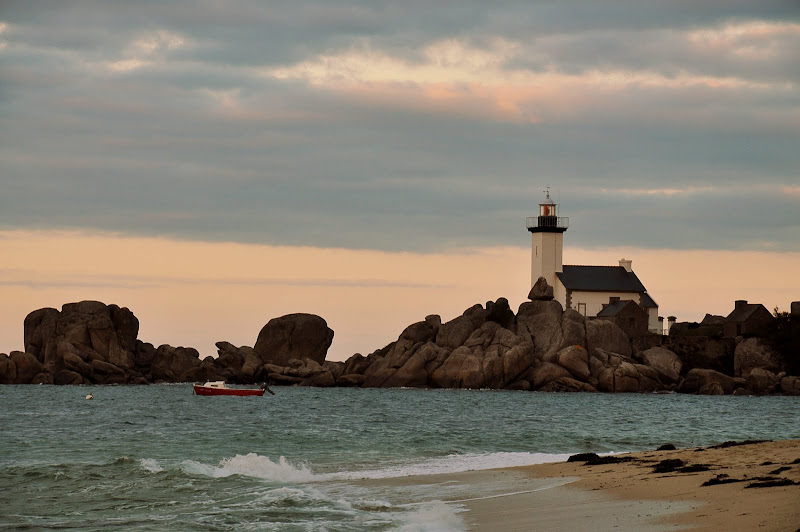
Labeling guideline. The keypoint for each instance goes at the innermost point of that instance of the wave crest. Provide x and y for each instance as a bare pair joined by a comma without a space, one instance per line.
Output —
151,465
253,465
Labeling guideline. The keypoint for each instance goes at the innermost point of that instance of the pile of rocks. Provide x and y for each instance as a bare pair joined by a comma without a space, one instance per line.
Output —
540,347
93,343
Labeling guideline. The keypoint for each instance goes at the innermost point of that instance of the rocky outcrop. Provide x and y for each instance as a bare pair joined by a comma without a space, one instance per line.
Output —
541,320
790,385
761,381
547,373
620,374
666,364
709,382
701,352
753,353
88,328
90,342
455,332
541,291
298,336
573,329
27,366
575,359
94,341
175,364
607,336
541,347
8,370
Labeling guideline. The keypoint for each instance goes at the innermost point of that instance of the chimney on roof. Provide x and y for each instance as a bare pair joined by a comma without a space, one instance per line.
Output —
626,264
740,303
670,322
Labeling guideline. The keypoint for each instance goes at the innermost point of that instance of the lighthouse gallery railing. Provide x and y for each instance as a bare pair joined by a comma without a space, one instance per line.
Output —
532,222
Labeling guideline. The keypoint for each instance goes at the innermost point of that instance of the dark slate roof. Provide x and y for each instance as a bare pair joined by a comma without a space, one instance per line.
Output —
744,312
600,279
612,309
648,302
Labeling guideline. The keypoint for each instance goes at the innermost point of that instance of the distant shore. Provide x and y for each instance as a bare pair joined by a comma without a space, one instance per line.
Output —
752,486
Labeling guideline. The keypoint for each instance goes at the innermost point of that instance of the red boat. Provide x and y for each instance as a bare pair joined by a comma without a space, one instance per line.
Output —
219,388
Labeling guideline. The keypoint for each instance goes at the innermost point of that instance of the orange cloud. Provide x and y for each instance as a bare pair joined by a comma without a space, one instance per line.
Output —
756,40
454,76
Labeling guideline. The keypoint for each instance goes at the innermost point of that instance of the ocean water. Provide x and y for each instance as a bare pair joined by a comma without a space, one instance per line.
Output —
158,457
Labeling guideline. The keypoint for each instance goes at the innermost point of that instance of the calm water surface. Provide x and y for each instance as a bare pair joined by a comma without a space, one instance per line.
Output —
155,457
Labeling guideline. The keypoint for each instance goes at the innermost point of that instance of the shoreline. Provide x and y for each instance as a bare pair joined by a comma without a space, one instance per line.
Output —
631,493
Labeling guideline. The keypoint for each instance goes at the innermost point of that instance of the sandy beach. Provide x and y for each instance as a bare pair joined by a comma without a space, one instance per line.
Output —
749,486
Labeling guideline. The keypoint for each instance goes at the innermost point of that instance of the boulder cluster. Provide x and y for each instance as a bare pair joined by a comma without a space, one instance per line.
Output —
544,348
93,343
540,347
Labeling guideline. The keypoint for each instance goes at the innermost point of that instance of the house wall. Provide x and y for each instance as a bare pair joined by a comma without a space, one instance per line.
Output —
595,300
753,325
652,321
758,320
631,319
546,256
560,293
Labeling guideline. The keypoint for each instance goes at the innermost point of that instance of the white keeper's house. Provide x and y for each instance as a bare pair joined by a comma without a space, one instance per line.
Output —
587,289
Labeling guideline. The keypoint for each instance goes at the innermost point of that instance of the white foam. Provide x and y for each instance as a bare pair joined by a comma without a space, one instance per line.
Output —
257,466
551,485
435,516
151,465
286,494
454,463
253,465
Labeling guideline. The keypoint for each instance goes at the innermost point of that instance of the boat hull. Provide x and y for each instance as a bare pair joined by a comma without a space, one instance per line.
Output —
203,390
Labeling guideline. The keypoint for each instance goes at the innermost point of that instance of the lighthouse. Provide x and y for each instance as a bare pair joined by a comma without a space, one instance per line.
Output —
547,241
593,291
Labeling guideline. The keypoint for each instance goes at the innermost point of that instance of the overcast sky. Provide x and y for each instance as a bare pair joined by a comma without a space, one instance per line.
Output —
212,165
401,126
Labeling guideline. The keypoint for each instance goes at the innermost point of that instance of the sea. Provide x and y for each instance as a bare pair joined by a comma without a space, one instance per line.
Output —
320,459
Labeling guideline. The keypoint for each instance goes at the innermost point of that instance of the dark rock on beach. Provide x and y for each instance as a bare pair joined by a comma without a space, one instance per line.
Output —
604,460
583,457
666,466
721,479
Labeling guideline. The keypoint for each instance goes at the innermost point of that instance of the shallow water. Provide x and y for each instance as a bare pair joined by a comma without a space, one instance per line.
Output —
153,457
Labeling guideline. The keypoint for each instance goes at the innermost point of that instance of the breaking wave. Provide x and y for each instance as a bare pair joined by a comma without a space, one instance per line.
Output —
283,471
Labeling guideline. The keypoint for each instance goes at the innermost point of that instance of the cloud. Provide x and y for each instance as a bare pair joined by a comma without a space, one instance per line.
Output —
666,192
146,50
792,191
458,75
372,126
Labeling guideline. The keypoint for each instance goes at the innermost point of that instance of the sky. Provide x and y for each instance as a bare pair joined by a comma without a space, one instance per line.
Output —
213,165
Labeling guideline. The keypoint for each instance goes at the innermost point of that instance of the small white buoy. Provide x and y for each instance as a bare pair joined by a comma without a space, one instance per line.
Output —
90,396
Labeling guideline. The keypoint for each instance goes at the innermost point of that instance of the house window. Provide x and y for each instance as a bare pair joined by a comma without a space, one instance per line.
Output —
582,308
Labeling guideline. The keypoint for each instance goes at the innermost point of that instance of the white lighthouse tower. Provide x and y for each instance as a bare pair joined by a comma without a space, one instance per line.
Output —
547,241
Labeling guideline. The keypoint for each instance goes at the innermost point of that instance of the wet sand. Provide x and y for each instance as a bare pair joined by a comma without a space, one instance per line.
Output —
633,495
